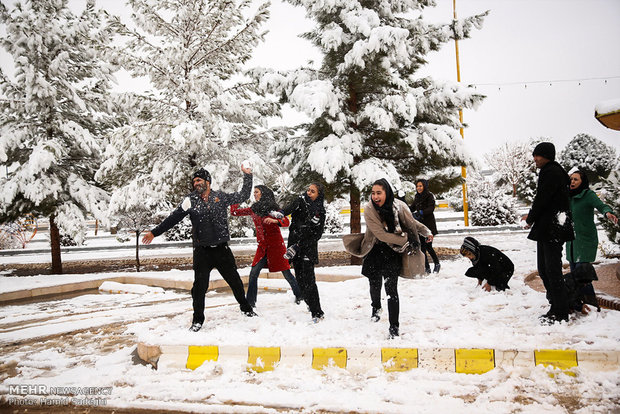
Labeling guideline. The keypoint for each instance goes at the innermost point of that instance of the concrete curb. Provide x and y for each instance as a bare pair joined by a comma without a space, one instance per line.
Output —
143,280
363,359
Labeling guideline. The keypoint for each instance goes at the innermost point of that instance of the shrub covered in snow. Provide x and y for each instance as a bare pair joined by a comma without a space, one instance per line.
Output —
489,205
493,210
590,155
334,223
181,232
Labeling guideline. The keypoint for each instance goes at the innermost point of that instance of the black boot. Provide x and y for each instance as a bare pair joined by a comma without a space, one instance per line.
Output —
376,314
393,331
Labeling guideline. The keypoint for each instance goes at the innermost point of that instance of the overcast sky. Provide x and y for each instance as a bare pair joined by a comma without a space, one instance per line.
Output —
520,60
543,64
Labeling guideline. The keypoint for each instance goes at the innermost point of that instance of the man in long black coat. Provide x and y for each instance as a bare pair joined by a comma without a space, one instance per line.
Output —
551,225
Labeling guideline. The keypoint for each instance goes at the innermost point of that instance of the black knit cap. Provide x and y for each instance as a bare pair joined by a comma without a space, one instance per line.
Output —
472,245
202,173
546,150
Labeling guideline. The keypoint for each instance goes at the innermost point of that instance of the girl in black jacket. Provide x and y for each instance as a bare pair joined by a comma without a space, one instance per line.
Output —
422,209
308,221
488,264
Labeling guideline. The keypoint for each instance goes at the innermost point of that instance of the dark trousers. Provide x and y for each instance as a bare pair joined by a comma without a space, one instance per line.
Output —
205,259
304,273
391,291
427,247
549,258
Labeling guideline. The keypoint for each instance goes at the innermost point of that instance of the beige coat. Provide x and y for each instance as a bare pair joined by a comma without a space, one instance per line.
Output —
361,244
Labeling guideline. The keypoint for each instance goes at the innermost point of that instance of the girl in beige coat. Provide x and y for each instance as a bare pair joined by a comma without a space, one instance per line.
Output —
390,248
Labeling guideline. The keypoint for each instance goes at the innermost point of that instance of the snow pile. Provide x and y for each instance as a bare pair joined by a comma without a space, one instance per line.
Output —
115,287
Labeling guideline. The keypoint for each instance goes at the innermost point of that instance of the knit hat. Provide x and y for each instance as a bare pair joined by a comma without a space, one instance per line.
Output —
546,150
202,173
472,245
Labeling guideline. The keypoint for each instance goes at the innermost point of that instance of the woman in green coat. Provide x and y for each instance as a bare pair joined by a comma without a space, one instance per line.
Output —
583,201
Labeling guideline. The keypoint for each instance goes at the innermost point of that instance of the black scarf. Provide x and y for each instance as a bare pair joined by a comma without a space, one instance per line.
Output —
267,202
386,211
315,208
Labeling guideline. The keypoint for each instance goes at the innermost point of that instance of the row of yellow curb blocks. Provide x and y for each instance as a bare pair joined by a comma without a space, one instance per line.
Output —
467,361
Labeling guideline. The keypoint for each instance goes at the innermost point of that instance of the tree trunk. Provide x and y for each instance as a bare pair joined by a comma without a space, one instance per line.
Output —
137,251
514,189
356,222
55,246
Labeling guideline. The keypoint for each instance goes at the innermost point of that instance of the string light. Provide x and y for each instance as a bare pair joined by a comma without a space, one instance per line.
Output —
550,82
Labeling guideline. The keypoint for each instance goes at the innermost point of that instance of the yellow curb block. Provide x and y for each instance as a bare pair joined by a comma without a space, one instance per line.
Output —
359,359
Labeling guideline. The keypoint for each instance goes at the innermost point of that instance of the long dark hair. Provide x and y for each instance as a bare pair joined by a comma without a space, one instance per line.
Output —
267,202
386,211
585,184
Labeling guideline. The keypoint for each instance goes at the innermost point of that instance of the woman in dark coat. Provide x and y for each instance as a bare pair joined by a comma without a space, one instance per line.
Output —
308,222
391,232
423,208
271,246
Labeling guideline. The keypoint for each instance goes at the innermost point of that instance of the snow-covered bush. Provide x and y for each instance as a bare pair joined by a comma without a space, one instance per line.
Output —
181,232
489,205
241,226
334,223
590,155
493,210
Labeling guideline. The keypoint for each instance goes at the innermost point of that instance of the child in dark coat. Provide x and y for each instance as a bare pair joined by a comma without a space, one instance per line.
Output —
488,264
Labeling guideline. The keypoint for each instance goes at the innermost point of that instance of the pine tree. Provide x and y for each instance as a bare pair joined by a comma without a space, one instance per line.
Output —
371,115
53,117
590,155
195,113
611,197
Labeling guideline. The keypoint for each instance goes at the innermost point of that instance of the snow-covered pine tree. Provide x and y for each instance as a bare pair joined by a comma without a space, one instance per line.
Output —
512,162
371,115
52,117
590,155
197,111
490,204
611,197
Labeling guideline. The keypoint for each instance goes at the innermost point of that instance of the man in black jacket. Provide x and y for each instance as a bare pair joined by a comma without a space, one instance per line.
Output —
208,211
550,220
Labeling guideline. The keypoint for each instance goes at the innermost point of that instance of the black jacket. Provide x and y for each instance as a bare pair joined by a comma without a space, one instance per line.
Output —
210,219
550,215
307,225
493,266
425,201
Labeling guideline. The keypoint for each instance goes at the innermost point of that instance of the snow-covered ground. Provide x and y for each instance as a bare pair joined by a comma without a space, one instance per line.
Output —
89,341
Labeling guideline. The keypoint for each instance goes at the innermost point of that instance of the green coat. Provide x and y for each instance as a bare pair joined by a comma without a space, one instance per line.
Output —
583,248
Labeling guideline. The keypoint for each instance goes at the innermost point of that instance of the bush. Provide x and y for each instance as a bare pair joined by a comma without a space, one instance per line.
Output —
334,223
180,232
494,210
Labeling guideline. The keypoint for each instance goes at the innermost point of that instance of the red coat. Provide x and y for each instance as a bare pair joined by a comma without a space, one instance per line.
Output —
269,239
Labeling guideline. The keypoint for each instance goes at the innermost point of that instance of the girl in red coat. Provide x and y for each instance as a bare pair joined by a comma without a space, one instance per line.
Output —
271,246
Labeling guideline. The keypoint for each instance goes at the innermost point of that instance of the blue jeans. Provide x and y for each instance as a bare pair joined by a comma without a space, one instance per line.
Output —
253,282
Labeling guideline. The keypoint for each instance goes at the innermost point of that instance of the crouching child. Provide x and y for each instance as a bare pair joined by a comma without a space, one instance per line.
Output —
488,264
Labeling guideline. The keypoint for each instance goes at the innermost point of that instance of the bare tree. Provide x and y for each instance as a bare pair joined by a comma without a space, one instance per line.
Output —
512,162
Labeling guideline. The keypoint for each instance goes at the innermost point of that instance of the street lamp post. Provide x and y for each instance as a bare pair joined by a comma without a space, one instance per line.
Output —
458,78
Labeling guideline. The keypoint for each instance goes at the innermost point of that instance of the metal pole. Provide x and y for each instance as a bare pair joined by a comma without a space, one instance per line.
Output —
463,169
